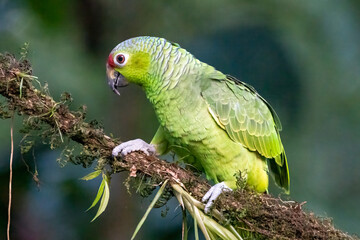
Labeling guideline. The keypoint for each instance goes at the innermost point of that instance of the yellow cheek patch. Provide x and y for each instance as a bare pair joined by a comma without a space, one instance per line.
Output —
141,60
136,68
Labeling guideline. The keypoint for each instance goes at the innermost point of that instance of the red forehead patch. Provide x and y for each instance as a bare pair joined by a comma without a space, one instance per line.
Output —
111,60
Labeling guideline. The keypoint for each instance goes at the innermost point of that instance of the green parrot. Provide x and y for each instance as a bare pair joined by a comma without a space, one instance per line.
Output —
211,120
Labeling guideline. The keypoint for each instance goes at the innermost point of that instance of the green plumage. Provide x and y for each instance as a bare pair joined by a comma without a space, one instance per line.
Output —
212,121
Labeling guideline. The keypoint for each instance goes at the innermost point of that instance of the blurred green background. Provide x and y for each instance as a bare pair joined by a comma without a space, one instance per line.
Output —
302,56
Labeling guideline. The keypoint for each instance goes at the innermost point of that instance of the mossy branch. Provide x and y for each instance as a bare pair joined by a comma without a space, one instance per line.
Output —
263,215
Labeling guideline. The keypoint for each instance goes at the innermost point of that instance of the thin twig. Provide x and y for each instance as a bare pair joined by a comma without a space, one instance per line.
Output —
10,178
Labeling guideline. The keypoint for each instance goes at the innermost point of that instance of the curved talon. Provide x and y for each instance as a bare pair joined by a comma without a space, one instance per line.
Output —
214,192
132,146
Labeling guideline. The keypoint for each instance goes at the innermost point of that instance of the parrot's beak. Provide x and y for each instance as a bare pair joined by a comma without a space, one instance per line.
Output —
115,79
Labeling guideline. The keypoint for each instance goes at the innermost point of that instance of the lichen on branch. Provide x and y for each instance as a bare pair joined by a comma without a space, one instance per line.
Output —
263,216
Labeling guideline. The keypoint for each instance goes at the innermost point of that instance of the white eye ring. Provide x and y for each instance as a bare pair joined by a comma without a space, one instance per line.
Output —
120,59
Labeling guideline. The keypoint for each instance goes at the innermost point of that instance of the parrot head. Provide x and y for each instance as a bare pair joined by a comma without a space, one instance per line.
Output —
129,62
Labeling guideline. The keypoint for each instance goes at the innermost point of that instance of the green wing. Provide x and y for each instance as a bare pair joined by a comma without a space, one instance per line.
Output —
250,120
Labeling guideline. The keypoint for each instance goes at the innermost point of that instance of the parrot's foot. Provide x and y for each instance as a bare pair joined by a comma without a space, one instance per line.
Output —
214,192
132,146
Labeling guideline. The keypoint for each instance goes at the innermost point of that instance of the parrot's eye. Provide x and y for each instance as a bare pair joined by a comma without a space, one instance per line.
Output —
120,59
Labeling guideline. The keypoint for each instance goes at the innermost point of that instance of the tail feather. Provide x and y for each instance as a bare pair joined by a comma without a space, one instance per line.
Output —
281,173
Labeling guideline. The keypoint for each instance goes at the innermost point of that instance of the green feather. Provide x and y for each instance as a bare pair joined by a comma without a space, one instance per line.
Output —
212,121
249,120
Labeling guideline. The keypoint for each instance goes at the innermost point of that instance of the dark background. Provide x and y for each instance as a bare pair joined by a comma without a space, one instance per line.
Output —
302,56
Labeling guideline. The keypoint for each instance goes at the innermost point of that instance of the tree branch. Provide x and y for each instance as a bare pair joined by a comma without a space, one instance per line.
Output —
263,215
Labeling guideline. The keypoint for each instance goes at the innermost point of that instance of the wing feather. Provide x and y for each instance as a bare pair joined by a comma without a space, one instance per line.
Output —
245,116
248,119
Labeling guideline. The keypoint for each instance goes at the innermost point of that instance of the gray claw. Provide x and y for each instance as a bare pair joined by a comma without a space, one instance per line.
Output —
214,192
132,146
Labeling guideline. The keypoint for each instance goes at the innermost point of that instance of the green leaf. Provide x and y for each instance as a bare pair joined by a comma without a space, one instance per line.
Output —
200,222
196,231
91,175
157,196
232,229
184,225
98,195
105,197
211,229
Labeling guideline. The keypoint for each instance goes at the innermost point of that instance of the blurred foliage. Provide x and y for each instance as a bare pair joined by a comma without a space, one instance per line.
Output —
302,56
